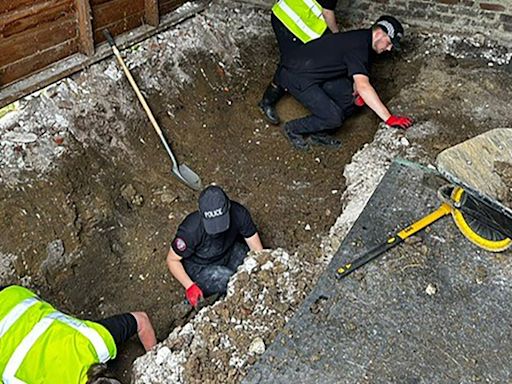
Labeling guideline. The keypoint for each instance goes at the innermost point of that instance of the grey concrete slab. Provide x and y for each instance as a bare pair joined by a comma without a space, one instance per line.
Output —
381,324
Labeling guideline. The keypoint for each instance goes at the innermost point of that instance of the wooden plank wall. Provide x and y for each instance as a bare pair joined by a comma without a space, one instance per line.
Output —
166,6
117,15
35,34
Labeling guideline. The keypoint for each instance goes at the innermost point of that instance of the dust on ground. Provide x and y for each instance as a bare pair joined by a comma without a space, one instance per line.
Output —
504,171
89,203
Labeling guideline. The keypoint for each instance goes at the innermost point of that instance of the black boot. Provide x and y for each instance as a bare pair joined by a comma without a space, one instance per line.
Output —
268,103
325,140
296,139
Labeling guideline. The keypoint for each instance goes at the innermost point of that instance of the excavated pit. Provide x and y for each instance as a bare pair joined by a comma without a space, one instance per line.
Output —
89,204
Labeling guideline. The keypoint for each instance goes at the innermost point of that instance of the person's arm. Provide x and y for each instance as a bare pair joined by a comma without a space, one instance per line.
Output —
367,92
330,19
254,242
370,97
177,270
193,292
145,330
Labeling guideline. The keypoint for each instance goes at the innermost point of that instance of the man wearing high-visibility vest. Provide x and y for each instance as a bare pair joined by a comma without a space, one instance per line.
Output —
39,344
330,77
295,23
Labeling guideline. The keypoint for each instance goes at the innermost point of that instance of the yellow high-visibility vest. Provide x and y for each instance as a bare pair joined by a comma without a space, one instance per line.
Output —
39,344
303,18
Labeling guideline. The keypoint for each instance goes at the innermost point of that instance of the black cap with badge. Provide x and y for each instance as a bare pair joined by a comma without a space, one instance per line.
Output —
392,27
214,209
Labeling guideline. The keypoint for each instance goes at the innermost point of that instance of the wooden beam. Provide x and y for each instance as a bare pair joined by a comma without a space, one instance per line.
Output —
167,6
34,40
115,11
151,15
119,26
76,62
85,37
37,10
37,61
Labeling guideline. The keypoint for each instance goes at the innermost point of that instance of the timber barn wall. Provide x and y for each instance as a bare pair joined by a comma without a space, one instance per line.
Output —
34,34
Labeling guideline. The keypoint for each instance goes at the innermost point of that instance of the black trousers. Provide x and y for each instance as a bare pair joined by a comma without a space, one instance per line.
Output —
121,327
214,278
330,102
286,42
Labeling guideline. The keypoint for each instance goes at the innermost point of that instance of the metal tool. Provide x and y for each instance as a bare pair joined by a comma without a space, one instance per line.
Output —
472,199
181,171
394,240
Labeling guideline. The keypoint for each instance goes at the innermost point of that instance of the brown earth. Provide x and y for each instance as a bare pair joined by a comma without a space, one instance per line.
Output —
504,171
93,234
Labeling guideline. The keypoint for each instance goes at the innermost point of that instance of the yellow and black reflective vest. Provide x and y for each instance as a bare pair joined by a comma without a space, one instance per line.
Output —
303,18
40,345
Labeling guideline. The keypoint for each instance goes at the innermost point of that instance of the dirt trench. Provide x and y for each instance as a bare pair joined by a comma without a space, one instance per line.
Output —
92,233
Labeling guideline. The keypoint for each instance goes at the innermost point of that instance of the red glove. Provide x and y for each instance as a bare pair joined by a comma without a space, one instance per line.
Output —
194,294
399,121
358,101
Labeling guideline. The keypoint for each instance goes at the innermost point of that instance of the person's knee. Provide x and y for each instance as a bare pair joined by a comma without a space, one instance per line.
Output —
221,279
143,322
333,119
142,319
241,248
216,281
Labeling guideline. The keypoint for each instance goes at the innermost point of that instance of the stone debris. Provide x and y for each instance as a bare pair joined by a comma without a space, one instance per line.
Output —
257,346
131,196
431,290
222,341
20,137
101,94
7,272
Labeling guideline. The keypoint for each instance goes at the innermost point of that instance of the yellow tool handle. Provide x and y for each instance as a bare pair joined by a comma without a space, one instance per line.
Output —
392,241
425,221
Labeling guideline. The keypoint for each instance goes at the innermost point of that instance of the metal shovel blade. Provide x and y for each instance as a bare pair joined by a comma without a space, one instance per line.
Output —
188,176
181,171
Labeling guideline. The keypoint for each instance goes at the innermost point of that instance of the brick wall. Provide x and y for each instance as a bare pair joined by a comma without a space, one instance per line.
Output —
491,18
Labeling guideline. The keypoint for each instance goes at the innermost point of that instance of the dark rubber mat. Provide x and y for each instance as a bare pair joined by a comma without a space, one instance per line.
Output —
435,309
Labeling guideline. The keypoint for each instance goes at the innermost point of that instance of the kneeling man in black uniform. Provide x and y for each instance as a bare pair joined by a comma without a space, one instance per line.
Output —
330,77
210,244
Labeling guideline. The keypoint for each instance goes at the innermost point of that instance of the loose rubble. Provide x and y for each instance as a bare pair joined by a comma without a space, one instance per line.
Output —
222,342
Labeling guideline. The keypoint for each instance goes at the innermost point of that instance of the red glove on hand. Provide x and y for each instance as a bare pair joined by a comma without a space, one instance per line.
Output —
358,101
194,294
399,121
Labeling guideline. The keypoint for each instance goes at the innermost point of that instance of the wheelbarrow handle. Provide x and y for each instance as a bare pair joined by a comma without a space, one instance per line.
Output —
109,37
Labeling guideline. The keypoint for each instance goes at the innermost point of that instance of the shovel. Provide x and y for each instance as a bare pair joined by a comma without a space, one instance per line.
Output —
181,171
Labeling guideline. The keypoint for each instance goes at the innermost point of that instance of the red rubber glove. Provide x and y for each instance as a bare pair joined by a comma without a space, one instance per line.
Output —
399,121
194,294
358,101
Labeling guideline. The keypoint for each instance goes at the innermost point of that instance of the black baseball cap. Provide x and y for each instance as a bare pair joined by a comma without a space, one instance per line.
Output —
214,209
392,27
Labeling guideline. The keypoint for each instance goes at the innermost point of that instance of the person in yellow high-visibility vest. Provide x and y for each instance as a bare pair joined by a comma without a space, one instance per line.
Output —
41,345
295,23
